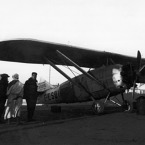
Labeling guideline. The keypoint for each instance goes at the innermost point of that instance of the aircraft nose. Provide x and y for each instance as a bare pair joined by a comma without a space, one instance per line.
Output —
117,78
128,75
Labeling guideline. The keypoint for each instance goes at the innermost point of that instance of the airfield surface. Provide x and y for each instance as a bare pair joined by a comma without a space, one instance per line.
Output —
76,125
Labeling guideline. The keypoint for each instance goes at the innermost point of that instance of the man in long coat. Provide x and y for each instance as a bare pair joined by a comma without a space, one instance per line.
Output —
30,94
3,97
14,103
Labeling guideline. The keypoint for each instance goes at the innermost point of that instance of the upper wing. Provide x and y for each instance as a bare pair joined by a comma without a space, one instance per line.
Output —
33,51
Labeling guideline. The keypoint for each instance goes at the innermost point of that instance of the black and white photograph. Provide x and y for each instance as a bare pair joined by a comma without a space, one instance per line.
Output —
72,72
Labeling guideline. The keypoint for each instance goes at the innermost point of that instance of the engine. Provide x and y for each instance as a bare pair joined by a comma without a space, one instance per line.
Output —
128,75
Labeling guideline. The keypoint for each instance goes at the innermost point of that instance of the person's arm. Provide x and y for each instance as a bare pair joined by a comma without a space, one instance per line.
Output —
25,89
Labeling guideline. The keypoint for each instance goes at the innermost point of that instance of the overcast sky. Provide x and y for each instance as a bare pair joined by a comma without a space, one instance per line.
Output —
111,25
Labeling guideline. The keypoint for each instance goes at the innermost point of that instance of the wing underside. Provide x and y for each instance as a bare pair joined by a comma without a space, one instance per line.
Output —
33,51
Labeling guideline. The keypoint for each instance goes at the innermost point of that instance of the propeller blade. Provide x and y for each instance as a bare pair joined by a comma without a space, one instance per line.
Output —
141,68
133,92
138,60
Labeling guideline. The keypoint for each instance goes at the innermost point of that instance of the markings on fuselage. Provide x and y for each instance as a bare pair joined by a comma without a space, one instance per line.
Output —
51,94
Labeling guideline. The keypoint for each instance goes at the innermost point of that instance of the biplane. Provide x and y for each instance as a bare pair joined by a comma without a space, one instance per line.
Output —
109,74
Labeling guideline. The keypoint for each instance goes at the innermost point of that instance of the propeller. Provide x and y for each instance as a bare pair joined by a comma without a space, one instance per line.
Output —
138,71
138,60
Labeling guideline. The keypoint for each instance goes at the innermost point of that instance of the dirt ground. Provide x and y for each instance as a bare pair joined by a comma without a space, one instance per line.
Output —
76,125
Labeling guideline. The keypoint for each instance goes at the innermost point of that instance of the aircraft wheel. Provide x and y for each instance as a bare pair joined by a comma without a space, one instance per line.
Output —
98,107
140,105
128,106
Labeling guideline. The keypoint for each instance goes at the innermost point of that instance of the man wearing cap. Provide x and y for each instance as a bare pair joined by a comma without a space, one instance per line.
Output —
3,90
30,94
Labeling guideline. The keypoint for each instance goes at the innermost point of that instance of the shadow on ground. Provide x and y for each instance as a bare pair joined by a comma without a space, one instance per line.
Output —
44,114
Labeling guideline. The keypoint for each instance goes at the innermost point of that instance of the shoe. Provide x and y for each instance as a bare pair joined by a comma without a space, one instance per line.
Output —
19,121
8,121
2,122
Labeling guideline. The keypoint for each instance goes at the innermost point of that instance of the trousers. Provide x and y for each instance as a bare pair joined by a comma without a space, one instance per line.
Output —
31,104
2,107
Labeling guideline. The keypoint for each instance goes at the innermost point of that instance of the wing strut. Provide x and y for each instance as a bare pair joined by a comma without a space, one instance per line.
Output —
81,70
59,70
75,65
73,82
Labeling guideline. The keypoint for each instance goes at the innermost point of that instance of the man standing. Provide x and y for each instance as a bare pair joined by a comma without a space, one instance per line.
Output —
30,94
3,91
14,103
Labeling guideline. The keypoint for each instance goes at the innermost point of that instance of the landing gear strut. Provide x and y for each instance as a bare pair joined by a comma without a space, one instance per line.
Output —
128,106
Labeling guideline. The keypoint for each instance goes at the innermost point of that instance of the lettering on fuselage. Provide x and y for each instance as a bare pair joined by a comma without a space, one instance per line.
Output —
52,94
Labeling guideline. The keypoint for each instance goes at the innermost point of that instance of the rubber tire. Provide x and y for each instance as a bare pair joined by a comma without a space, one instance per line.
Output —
98,107
140,105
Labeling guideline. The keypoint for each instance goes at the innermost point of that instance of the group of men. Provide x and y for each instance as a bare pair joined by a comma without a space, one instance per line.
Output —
14,92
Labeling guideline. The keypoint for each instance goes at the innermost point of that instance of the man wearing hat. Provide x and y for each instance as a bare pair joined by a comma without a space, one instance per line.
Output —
30,94
3,97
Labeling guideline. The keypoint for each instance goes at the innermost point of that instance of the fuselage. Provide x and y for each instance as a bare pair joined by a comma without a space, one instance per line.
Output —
108,80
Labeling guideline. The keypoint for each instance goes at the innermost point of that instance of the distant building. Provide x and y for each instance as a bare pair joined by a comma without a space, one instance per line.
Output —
140,89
